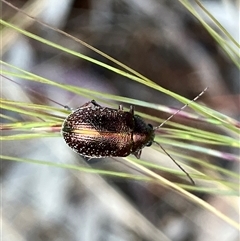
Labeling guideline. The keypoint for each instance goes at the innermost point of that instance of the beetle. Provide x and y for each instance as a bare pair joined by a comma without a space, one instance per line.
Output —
95,131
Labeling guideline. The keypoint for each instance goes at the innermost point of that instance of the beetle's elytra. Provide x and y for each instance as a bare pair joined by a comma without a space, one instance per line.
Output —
95,131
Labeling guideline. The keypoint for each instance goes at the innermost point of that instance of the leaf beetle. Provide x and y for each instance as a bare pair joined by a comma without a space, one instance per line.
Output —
95,131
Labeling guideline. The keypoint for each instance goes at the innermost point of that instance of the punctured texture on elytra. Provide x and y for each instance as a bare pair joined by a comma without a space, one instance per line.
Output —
96,131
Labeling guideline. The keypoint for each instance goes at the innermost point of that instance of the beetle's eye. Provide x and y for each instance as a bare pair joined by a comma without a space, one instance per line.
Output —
150,126
149,143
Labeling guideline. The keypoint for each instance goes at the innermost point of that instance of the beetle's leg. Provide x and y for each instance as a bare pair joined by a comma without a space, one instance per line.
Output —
86,104
68,108
92,102
131,109
87,158
120,107
95,103
138,153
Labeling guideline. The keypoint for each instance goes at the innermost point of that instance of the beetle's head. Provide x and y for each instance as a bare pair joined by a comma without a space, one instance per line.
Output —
151,135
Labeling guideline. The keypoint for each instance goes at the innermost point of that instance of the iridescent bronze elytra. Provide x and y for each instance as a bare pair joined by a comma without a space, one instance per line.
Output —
95,131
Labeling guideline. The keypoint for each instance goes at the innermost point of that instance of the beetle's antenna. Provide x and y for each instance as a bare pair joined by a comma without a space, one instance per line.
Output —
176,163
183,107
170,117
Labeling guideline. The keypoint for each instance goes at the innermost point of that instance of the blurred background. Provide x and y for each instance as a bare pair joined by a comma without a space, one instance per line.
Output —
162,41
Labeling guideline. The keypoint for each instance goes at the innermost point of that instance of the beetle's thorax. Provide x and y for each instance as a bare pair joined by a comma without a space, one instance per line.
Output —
143,134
